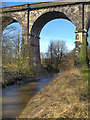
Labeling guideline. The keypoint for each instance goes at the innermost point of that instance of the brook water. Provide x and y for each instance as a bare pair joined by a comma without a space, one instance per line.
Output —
15,97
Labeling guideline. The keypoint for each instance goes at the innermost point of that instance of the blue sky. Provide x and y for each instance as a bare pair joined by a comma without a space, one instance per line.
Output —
25,0
57,29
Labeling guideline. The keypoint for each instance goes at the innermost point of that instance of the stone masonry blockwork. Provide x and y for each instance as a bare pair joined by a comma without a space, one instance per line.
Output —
33,17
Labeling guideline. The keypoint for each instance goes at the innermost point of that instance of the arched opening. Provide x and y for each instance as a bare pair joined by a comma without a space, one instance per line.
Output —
45,18
38,26
57,29
88,31
11,44
6,20
88,39
88,48
88,25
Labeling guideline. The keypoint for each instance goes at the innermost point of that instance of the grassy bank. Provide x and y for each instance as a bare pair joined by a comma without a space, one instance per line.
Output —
64,97
11,74
86,74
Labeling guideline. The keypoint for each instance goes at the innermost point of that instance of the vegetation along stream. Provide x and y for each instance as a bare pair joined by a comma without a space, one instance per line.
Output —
15,97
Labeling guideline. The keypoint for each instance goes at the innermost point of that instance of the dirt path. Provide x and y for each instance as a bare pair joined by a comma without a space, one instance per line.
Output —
64,97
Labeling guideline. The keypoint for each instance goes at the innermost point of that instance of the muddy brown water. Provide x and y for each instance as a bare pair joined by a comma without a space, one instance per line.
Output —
15,97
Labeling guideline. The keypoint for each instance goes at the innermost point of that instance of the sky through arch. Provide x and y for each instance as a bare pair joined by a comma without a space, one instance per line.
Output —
57,29
13,30
12,33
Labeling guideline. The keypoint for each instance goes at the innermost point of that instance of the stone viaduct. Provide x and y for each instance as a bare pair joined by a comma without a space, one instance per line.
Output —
32,18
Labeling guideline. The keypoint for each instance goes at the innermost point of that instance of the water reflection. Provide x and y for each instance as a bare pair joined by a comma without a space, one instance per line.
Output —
16,97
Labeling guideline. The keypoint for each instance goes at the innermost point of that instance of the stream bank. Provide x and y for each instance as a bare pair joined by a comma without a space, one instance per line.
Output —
15,97
10,78
64,97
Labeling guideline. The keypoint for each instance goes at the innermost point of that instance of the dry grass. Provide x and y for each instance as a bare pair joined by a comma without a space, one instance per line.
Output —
64,97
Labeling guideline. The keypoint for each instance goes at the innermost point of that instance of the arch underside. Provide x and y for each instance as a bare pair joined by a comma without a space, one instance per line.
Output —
45,18
6,20
88,21
88,25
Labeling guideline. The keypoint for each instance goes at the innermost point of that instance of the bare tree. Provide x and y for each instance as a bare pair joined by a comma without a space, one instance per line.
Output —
11,45
56,50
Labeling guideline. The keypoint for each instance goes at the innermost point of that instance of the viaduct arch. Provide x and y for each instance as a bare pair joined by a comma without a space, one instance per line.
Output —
32,18
39,24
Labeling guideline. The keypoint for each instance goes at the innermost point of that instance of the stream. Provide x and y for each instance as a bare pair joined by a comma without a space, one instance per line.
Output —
15,97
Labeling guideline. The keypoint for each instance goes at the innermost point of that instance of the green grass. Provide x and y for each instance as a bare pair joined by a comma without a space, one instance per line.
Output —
86,74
